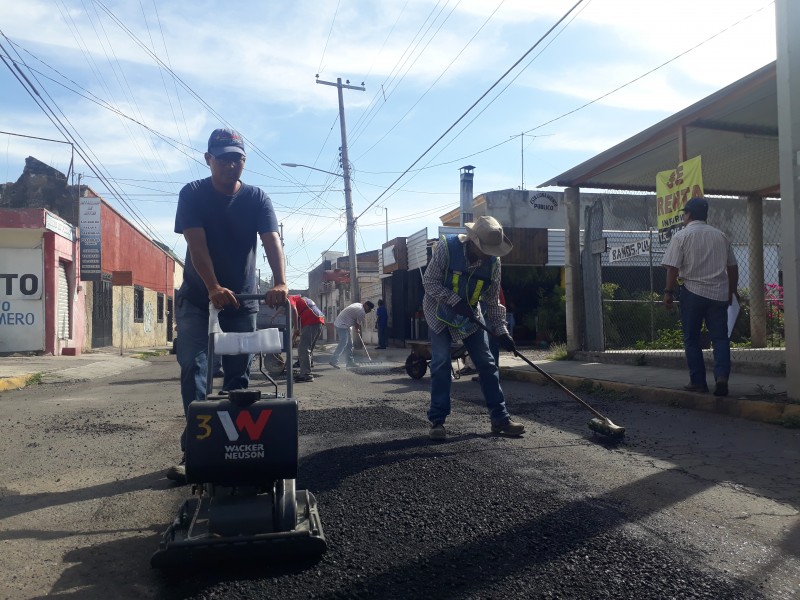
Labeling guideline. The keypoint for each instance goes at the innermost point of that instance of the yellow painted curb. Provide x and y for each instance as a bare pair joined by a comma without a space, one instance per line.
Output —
753,410
14,383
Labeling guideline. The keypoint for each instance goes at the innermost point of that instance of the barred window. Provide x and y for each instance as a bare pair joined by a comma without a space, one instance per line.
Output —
160,308
138,304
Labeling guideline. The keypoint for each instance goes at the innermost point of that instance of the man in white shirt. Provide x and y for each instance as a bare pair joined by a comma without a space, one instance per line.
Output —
351,316
702,257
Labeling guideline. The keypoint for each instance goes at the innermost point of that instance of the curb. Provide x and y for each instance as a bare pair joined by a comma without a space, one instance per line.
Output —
752,410
14,383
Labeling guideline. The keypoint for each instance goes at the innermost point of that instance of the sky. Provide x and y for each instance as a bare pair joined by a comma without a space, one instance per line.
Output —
522,90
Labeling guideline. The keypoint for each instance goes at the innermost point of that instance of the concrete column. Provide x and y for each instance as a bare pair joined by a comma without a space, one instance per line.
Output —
787,15
572,269
758,306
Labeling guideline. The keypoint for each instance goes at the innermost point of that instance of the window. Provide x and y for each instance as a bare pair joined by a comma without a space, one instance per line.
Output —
160,308
138,304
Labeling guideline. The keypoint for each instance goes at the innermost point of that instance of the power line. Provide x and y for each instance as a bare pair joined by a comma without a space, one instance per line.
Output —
41,102
474,104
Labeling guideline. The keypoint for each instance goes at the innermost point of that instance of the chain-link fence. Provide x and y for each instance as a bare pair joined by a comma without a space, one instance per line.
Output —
633,315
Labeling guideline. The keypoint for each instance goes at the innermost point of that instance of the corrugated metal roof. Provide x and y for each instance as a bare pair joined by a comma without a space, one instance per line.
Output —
417,245
735,130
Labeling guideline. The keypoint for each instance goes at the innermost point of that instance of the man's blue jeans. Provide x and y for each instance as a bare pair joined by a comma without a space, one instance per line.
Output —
441,378
382,337
345,345
694,310
192,352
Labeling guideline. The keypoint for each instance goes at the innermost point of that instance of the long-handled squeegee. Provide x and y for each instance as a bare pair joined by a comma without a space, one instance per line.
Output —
601,424
369,358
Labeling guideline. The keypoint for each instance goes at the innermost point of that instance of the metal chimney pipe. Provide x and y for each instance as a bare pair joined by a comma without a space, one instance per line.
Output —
466,195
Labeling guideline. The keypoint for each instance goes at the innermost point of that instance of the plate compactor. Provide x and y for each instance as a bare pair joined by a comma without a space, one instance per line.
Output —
241,460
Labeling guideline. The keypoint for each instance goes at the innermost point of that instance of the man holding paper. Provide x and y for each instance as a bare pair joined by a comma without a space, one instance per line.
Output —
702,257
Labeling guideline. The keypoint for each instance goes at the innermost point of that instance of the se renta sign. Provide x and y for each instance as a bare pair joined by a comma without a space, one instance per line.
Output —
629,250
21,300
21,325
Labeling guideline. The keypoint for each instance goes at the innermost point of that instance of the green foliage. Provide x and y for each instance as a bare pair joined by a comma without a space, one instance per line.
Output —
667,339
558,352
524,289
631,319
34,379
551,316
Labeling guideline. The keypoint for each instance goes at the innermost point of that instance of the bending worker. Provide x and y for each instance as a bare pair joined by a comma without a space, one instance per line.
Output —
351,316
465,270
308,322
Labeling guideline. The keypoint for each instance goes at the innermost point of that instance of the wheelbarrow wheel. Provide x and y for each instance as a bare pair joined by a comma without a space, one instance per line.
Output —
416,366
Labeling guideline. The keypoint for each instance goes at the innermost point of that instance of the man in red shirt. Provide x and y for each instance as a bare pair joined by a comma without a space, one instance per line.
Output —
311,321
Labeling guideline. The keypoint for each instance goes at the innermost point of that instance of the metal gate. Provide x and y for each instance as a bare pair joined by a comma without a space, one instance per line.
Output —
102,313
63,306
169,319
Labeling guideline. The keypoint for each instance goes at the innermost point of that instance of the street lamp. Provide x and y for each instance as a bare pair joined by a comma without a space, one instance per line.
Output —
355,291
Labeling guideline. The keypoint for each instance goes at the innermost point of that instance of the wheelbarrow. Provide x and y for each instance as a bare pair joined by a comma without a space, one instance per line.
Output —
420,357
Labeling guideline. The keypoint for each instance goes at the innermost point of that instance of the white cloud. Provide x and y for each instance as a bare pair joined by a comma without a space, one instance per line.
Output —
255,65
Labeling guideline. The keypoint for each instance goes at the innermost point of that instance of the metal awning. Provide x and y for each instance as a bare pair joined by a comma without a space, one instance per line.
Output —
735,130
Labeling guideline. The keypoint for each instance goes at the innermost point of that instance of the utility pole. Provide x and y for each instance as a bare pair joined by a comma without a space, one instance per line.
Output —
355,291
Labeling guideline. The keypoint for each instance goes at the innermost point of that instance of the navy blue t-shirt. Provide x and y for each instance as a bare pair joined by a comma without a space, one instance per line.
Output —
232,225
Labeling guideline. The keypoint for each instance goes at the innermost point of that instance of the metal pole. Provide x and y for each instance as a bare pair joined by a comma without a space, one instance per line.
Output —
652,302
787,14
355,292
386,210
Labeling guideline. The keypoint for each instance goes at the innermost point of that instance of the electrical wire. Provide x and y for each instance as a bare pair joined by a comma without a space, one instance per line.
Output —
474,104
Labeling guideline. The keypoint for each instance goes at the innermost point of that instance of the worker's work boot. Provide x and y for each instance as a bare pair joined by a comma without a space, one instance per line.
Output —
508,427
437,432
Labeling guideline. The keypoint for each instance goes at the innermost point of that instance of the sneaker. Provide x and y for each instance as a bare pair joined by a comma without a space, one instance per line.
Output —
437,432
467,371
334,365
304,378
296,364
699,388
177,473
509,427
721,388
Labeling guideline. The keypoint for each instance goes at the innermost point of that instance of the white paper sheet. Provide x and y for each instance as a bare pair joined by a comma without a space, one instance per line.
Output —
733,313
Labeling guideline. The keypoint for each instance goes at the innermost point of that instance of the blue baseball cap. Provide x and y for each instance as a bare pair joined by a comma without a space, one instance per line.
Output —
225,141
697,207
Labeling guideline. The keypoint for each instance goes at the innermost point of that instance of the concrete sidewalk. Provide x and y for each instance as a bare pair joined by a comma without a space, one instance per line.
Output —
760,397
754,397
17,371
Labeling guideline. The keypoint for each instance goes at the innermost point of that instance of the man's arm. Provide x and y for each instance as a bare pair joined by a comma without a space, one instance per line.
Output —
733,282
201,259
359,320
670,286
277,262
495,312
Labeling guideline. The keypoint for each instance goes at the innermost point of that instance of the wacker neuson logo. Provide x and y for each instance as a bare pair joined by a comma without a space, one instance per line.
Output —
244,423
543,201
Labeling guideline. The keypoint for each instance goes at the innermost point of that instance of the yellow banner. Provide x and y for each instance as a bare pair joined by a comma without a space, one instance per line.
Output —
673,190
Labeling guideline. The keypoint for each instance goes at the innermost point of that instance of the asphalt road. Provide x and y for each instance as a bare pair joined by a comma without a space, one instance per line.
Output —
690,505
